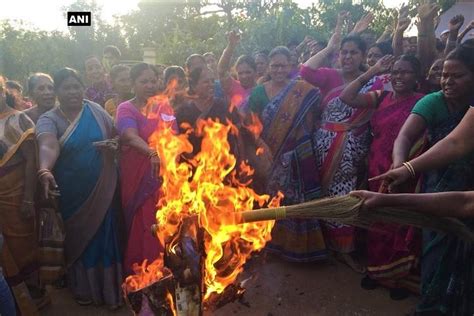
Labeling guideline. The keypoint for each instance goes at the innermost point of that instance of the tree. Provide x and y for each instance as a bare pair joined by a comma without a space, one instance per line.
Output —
176,29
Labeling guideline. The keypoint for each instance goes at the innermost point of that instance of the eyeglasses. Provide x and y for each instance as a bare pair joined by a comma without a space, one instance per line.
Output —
277,66
401,72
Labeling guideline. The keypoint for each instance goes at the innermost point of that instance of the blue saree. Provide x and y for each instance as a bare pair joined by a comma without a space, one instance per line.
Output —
289,121
87,178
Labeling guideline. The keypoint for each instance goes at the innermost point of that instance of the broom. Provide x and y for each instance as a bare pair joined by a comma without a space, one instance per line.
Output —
347,210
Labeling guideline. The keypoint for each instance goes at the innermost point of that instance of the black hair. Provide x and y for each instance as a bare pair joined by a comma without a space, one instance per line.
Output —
138,69
9,98
191,57
262,52
64,73
384,47
414,62
360,43
113,50
116,70
12,84
465,54
34,78
280,50
173,71
468,43
246,59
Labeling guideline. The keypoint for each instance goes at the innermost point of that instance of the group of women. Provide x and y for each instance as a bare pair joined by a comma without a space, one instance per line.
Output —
326,131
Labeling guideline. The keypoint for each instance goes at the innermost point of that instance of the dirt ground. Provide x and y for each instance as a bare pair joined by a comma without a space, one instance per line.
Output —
281,288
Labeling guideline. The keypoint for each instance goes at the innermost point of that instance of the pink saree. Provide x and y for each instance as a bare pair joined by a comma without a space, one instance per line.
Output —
139,187
393,250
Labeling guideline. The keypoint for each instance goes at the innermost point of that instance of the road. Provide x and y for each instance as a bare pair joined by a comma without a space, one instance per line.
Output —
282,288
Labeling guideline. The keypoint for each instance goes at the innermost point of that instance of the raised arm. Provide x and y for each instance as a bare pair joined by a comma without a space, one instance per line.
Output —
318,60
224,65
466,30
452,204
454,26
362,24
386,35
301,46
426,49
351,96
402,24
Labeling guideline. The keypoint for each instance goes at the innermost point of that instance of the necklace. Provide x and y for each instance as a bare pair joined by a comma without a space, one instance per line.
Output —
64,115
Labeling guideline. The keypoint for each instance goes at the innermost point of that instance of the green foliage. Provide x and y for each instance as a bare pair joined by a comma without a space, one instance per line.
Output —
176,29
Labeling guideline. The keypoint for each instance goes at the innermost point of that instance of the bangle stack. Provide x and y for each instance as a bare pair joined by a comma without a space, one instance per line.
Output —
42,172
152,153
410,168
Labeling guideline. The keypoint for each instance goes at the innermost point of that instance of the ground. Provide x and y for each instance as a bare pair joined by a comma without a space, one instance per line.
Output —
282,288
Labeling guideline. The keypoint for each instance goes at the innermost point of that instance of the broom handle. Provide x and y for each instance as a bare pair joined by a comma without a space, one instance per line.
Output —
282,212
261,215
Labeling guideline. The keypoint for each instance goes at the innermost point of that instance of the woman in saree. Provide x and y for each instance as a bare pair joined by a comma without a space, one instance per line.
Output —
19,255
41,90
393,250
51,241
100,89
139,164
447,166
287,109
84,177
201,104
343,137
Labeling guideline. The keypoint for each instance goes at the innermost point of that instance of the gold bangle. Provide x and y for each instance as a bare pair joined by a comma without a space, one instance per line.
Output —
152,154
40,175
410,168
43,170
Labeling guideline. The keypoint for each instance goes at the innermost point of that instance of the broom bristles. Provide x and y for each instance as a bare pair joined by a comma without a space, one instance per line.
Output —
347,210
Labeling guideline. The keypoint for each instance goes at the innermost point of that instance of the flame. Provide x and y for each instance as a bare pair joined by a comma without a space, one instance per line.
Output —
253,124
235,101
207,186
145,274
170,301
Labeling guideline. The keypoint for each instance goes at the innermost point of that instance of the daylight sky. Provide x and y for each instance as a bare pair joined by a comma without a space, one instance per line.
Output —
47,14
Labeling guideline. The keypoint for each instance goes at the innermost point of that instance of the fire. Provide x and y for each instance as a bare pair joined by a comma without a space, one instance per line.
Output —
145,274
207,186
169,299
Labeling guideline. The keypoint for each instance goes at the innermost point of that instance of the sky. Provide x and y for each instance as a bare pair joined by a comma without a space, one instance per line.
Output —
47,14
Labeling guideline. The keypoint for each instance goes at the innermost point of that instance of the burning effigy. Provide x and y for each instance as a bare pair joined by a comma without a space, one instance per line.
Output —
205,245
